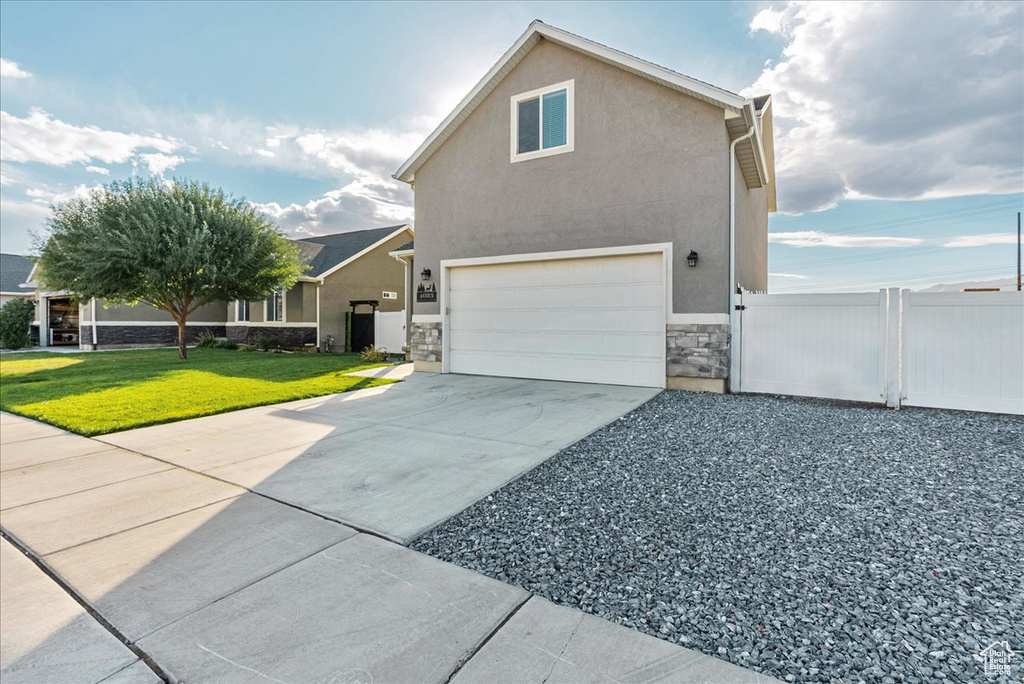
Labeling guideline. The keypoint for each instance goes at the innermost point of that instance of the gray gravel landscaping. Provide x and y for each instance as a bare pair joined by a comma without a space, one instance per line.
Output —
812,541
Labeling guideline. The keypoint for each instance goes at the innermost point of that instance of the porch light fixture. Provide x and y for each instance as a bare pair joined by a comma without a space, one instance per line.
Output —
691,259
425,274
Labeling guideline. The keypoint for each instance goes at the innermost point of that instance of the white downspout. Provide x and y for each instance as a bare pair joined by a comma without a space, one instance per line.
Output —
318,316
95,340
734,352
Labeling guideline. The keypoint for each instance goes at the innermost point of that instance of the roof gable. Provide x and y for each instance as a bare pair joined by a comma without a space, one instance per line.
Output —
327,253
15,270
736,107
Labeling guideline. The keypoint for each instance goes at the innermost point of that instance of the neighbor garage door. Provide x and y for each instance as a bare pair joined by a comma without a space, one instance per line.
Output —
585,320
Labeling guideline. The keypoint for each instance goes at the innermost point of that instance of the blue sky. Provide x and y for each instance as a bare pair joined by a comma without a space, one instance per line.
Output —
900,134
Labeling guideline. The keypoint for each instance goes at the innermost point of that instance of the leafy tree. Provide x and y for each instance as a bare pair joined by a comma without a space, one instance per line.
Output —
15,318
176,246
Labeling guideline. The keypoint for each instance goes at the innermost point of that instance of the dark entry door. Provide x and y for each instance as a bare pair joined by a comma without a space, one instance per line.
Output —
362,331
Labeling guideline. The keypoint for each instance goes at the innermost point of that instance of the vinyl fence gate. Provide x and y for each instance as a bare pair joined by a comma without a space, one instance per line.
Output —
954,350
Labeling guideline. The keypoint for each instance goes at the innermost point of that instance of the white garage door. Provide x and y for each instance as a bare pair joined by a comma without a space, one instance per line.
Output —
585,320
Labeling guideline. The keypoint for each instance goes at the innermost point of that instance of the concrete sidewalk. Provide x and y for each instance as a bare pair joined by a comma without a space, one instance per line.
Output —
213,582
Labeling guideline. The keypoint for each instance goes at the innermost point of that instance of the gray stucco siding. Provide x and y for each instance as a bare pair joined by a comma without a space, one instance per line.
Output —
649,166
751,235
211,313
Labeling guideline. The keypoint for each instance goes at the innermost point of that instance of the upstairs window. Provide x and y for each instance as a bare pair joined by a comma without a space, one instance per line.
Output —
275,307
542,122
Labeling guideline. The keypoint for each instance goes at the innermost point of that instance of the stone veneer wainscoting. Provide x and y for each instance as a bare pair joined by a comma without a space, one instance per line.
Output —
697,356
123,336
278,336
425,346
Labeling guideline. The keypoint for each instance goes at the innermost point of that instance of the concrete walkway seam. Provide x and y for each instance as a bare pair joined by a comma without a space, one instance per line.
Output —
346,523
88,607
462,662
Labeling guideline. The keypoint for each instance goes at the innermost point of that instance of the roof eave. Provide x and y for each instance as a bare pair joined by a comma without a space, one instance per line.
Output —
534,32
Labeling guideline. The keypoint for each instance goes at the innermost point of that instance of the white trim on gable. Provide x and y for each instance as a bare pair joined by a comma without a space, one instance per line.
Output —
366,251
733,104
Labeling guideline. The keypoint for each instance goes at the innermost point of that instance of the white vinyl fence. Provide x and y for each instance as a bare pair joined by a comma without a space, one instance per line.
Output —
961,350
389,330
964,350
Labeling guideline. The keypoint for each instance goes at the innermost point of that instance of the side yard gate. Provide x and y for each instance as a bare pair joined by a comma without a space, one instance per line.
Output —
957,350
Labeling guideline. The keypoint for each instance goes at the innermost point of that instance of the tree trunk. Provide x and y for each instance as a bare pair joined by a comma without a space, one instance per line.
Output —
182,352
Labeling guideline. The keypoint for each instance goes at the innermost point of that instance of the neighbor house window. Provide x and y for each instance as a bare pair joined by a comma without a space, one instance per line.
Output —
242,310
275,306
542,122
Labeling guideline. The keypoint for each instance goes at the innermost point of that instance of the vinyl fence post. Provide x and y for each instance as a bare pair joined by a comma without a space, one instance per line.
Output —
893,337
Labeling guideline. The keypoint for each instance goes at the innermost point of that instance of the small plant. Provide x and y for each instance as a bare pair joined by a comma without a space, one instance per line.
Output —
227,344
262,343
207,340
374,354
246,348
15,318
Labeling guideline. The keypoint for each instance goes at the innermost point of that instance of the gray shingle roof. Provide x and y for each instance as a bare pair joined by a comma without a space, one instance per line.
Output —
407,246
327,251
14,270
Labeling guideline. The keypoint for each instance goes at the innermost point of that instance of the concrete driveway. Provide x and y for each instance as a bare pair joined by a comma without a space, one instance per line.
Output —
122,567
394,460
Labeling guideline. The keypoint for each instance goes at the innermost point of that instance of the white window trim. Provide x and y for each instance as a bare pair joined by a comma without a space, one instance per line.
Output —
570,122
238,311
284,307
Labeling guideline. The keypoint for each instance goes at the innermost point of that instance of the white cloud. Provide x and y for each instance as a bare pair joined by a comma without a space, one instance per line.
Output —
815,238
895,100
40,138
45,196
353,207
981,240
9,69
788,276
98,169
159,163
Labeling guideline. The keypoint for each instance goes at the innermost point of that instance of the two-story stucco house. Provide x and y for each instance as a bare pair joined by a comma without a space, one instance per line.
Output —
585,215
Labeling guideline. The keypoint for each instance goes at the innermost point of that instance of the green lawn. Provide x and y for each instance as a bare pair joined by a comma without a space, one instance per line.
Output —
100,392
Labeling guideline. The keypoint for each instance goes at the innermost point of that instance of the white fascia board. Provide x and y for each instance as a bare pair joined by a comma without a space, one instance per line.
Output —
406,172
309,279
705,90
750,118
366,251
20,293
537,29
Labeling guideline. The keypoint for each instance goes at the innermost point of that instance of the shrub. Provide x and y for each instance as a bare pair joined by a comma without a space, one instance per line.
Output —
15,318
227,344
374,354
207,340
246,348
262,343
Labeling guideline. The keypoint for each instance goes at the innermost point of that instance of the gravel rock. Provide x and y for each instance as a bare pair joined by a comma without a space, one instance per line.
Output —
812,541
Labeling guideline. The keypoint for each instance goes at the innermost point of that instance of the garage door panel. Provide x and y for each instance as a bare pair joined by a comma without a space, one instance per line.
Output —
587,320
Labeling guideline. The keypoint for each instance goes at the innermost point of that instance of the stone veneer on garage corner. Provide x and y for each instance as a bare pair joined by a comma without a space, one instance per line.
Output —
425,345
697,355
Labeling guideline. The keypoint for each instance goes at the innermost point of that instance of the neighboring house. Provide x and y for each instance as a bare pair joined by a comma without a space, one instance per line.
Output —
344,268
584,215
14,271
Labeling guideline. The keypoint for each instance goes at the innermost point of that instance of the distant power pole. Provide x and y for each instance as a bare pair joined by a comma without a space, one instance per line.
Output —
1018,251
